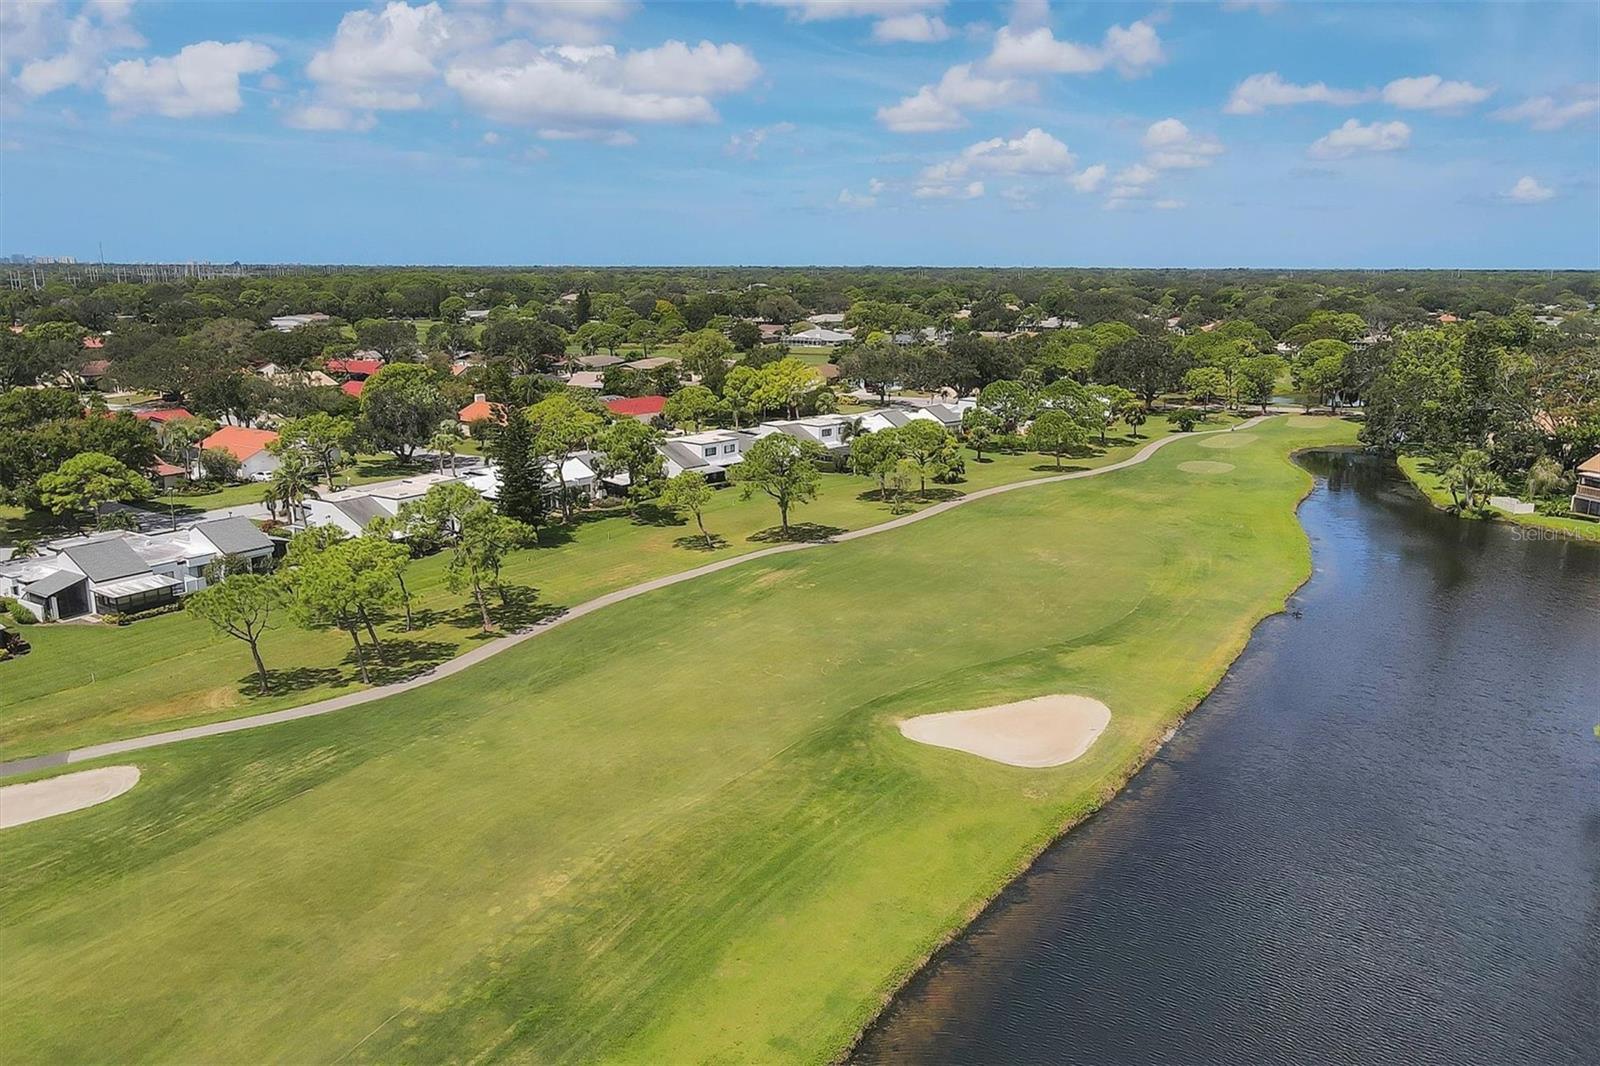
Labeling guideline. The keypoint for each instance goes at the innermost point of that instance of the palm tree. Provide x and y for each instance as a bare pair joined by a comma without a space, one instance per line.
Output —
292,484
446,443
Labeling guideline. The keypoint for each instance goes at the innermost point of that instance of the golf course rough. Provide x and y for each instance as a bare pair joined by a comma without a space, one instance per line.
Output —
683,828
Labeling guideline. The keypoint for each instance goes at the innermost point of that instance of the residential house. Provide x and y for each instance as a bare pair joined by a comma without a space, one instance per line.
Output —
1586,493
642,408
881,419
580,470
480,410
655,362
360,366
351,509
598,361
166,476
160,416
586,379
710,452
249,446
818,338
122,572
353,387
832,432
290,323
826,320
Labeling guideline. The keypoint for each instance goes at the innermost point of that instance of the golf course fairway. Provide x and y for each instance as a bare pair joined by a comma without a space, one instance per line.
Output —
684,828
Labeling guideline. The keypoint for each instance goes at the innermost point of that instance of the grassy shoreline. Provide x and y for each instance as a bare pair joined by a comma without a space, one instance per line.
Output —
1417,470
1036,849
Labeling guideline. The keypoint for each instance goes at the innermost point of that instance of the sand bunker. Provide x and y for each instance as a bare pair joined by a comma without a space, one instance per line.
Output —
1044,731
1205,466
1228,440
21,804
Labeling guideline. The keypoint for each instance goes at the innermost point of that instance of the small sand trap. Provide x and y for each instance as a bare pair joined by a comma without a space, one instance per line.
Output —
21,804
1044,731
1205,466
1228,440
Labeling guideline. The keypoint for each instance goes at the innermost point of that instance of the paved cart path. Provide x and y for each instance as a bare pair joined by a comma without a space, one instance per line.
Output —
486,651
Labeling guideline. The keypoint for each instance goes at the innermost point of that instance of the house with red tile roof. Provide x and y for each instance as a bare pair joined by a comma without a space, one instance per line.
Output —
480,410
353,387
94,342
249,446
355,368
163,415
643,408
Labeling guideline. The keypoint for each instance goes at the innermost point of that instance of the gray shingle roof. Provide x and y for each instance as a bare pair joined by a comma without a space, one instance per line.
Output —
59,581
106,560
684,455
360,509
234,536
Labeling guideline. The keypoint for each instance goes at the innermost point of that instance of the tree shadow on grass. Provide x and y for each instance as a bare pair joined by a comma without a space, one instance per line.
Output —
296,679
400,658
648,514
798,533
1064,468
696,543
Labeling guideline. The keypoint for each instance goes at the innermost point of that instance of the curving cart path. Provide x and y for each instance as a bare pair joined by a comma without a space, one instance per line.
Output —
479,654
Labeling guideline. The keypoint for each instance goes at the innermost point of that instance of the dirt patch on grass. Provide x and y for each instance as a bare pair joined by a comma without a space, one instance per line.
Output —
1043,731
1205,466
21,804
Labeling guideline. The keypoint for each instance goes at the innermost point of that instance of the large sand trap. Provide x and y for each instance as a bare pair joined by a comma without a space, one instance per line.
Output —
1227,440
1205,466
21,804
1044,731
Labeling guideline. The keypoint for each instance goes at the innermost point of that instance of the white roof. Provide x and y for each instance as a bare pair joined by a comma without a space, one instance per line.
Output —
129,586
822,336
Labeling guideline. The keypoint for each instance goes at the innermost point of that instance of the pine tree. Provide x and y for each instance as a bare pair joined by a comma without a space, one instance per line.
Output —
521,474
583,308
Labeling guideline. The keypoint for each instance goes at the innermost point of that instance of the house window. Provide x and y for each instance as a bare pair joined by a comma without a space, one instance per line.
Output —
729,449
827,432
710,453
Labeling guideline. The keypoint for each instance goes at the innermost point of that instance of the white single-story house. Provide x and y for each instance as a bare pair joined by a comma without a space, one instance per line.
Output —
351,509
578,469
290,323
818,338
830,431
882,419
121,572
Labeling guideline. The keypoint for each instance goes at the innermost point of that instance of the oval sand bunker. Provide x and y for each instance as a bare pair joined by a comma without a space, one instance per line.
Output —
1205,466
21,804
1043,731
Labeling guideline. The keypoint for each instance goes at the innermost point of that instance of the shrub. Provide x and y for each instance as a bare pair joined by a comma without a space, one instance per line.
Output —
1185,418
19,614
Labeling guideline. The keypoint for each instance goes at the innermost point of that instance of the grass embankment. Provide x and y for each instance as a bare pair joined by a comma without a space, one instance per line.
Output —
1423,473
88,683
684,828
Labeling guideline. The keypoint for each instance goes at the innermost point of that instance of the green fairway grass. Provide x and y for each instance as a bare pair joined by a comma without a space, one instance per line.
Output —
681,829
88,683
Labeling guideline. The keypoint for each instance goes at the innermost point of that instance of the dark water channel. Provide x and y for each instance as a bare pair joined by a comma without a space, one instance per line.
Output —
1378,841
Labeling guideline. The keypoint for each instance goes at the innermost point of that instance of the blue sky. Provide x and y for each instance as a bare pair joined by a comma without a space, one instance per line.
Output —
804,131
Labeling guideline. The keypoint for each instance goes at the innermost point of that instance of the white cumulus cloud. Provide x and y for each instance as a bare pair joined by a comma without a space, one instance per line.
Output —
747,145
202,79
1173,146
970,191
567,22
1353,138
941,106
854,200
97,31
1546,113
384,59
1089,178
588,91
1527,190
1132,50
1260,91
915,28
1432,93
326,117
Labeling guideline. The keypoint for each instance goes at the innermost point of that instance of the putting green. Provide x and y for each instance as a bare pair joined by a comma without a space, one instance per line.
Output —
1228,440
684,828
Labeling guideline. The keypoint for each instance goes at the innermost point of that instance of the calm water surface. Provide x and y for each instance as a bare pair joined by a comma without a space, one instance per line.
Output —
1377,841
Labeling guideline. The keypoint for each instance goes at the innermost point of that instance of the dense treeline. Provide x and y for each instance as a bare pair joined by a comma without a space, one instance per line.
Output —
1491,373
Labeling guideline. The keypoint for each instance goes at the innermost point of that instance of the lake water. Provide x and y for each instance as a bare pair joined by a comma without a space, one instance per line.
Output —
1377,841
